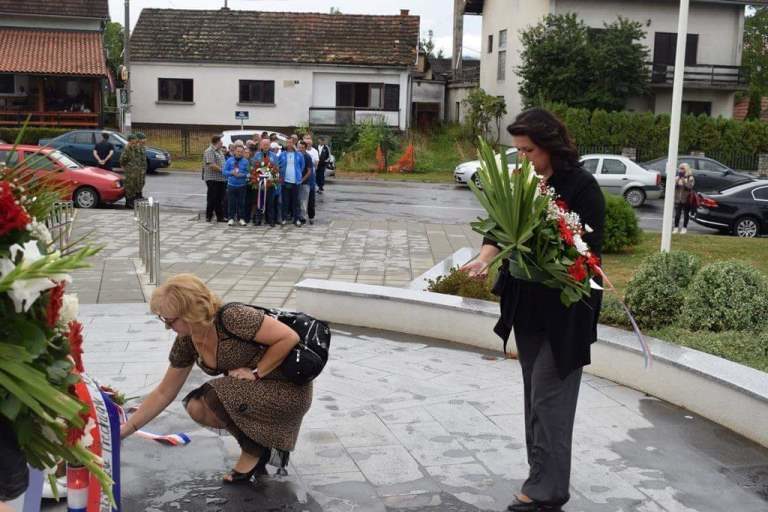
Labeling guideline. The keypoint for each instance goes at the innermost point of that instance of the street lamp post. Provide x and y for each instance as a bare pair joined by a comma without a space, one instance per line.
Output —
674,127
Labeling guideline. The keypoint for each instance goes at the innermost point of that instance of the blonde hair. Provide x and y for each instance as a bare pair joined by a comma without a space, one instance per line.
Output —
187,297
687,169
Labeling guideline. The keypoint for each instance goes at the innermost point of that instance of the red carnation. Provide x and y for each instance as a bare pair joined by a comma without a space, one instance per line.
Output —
562,204
12,214
594,263
565,232
75,337
578,271
74,434
55,301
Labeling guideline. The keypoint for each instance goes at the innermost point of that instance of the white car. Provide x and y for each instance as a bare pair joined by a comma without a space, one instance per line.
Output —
230,136
619,175
467,171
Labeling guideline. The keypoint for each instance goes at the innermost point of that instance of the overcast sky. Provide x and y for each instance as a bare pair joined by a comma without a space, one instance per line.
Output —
436,15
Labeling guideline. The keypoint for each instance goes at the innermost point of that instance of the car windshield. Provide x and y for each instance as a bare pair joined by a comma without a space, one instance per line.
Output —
64,160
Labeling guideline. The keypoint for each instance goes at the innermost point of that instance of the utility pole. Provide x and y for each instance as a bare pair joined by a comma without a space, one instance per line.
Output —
674,127
458,36
127,64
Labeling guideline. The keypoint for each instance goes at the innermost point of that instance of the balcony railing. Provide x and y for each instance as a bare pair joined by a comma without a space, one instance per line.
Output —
63,119
713,76
341,116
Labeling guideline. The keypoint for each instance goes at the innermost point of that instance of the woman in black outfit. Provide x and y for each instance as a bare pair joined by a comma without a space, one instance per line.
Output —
553,340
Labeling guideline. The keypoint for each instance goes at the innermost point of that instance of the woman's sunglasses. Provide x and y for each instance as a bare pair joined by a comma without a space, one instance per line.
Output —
167,321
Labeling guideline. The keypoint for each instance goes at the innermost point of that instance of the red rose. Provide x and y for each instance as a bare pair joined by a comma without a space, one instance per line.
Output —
578,271
565,232
55,301
75,337
12,214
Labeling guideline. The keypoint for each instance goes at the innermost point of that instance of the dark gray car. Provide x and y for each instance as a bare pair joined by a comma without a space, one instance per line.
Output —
709,174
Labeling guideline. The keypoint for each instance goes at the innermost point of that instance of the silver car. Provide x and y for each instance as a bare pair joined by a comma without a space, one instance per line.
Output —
467,171
619,175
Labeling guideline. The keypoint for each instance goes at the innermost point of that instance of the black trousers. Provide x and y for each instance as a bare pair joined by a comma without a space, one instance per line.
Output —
685,209
320,177
311,203
214,199
550,409
272,208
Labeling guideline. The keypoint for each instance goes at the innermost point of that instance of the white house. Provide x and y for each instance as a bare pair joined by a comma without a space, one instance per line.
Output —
195,67
713,72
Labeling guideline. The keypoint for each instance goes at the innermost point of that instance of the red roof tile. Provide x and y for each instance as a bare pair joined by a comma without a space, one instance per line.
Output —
47,52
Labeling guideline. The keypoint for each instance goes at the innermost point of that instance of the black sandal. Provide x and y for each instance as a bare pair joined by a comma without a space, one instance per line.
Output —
237,477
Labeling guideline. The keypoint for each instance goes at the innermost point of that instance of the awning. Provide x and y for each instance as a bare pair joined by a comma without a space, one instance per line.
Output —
49,52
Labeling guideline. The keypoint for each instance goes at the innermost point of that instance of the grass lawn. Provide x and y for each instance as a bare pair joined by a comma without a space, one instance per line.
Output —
187,164
621,267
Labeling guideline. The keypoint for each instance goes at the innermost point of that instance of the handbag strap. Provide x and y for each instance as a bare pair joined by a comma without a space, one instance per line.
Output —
220,319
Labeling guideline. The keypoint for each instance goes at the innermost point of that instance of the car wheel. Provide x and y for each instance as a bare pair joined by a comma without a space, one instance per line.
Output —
635,197
746,227
86,197
476,179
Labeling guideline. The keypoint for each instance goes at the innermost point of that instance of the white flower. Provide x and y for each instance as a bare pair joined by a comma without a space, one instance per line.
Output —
580,245
40,231
24,292
87,440
69,308
587,228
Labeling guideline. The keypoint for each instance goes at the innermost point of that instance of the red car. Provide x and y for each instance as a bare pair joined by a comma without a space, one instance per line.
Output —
87,187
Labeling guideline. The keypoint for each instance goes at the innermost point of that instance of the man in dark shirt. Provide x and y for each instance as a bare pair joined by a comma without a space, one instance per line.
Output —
103,152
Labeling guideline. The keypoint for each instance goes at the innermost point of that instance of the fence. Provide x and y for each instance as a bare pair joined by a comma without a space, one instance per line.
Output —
180,142
59,223
147,215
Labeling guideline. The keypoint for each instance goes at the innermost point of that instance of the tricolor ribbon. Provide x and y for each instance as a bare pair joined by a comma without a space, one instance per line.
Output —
178,439
647,355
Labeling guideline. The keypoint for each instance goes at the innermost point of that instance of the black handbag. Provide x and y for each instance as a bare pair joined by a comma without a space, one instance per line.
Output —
308,358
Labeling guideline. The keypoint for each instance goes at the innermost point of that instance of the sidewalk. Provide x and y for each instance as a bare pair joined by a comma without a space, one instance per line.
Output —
261,264
404,423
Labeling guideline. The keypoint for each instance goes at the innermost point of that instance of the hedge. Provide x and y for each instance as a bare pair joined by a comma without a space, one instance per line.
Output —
649,133
31,135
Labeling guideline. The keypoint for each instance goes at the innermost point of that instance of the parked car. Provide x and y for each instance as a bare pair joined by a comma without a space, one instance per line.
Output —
79,144
741,210
87,187
619,175
467,171
710,175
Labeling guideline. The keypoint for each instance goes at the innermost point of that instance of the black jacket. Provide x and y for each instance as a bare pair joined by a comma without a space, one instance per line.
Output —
533,307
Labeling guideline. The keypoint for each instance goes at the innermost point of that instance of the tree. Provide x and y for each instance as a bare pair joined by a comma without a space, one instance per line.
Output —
335,10
755,58
564,61
482,109
427,45
113,43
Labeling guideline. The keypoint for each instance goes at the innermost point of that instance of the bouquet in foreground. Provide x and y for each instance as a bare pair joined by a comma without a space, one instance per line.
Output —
537,233
40,337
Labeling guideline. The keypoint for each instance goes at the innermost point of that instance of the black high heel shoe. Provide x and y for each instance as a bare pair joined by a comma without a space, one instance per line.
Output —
236,477
531,506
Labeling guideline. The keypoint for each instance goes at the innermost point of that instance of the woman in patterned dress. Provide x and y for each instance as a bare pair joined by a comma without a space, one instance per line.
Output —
250,398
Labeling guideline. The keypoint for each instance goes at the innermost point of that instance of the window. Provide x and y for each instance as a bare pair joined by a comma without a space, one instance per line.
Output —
503,39
490,43
367,95
257,91
590,164
665,47
64,160
697,107
501,71
710,165
761,194
175,89
82,138
9,158
38,162
613,166
7,84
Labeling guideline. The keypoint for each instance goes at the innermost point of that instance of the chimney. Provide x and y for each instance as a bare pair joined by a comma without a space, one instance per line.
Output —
404,12
458,37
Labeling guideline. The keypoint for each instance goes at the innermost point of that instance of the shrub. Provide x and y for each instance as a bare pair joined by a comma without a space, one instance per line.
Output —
459,283
31,135
612,313
726,295
621,229
655,293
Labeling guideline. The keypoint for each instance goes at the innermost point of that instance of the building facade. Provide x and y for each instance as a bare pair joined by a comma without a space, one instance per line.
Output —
52,63
188,68
713,73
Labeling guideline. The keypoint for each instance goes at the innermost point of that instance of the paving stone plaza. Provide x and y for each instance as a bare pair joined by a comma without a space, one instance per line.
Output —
397,422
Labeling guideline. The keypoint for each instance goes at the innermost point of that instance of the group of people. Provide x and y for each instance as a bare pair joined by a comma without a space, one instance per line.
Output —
133,160
260,182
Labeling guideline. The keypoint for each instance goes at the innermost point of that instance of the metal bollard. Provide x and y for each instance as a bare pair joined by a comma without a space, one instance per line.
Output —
147,216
